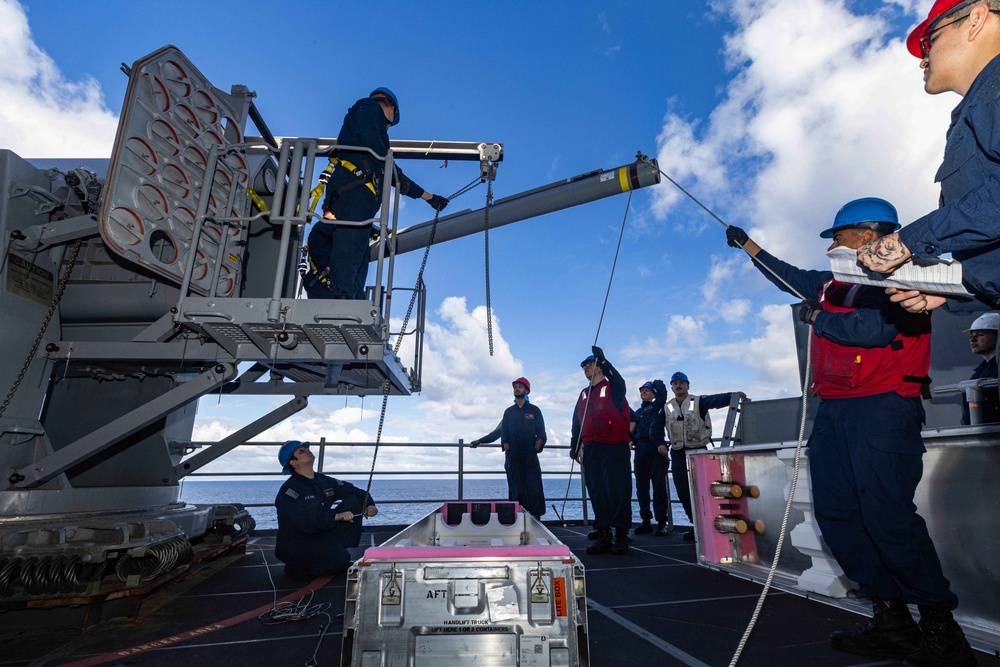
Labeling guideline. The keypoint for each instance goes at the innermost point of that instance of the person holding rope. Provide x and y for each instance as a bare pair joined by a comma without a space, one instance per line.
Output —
689,426
651,460
601,434
313,535
869,365
338,254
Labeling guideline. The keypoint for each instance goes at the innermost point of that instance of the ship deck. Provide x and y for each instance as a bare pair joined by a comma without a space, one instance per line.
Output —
654,606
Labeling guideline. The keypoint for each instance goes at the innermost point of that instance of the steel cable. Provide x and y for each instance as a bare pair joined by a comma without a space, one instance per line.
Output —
597,336
802,425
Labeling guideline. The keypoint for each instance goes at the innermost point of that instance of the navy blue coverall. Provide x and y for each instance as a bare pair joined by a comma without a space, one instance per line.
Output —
678,457
606,465
990,401
340,253
865,461
967,224
491,437
308,535
651,466
520,427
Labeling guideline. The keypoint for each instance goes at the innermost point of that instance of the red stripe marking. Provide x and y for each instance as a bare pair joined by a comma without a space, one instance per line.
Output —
316,583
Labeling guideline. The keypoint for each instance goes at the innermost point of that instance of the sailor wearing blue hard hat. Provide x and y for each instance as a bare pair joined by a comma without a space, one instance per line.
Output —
316,515
338,253
865,213
689,427
869,361
651,458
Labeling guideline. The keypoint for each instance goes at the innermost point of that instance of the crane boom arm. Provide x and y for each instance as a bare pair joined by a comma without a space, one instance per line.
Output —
556,196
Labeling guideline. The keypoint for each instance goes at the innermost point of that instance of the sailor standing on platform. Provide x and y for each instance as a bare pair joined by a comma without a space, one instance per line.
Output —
601,444
338,254
313,535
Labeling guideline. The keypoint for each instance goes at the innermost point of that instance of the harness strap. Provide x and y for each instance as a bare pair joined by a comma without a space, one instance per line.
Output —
321,276
362,178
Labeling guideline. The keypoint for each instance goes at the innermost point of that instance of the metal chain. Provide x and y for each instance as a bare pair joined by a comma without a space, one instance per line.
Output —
486,236
399,341
406,320
45,325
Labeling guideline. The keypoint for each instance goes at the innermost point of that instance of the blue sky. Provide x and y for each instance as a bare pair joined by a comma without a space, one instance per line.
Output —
774,112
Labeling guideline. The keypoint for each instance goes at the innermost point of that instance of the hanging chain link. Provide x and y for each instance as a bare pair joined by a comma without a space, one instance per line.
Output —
399,341
486,236
45,325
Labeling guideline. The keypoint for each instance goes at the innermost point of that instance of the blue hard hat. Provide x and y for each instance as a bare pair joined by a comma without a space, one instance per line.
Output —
648,385
586,361
867,209
387,94
679,376
286,451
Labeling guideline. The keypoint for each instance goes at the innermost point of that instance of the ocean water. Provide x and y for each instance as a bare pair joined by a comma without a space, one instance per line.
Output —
389,494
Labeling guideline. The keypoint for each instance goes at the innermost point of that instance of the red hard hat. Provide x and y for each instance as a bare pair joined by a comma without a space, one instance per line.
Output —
524,381
940,8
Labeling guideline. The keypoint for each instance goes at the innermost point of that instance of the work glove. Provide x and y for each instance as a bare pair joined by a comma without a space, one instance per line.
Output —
808,307
736,237
660,388
474,443
598,355
437,202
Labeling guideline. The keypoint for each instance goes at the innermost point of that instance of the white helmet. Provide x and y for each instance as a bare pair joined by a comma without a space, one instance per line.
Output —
987,322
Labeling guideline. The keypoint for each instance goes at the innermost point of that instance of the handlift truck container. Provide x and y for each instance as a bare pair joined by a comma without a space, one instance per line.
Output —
473,583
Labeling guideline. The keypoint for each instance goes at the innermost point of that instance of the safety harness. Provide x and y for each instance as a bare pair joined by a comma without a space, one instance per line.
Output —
361,177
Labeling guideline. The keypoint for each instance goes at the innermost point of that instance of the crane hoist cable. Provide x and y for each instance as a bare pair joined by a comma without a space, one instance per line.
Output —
802,426
597,336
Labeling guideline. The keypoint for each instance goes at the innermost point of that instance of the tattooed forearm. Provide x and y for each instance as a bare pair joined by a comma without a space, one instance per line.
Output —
883,254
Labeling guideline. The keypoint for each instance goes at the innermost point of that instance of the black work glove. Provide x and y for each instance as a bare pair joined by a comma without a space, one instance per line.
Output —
660,388
809,306
598,355
736,237
437,202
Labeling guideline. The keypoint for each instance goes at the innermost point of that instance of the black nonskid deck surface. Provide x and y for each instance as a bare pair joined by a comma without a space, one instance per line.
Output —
653,606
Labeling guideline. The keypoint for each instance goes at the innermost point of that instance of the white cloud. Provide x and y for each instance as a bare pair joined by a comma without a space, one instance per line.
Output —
41,113
824,108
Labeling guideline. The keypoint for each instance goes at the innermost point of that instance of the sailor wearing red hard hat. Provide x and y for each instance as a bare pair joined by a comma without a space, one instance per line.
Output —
958,44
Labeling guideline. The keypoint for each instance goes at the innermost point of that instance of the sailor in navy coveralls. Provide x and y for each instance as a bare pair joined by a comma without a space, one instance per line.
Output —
318,515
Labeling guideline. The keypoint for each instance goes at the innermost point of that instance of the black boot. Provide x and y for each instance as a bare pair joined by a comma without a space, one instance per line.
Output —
943,642
891,632
620,547
661,530
644,528
603,543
